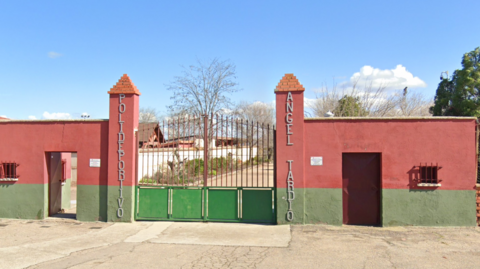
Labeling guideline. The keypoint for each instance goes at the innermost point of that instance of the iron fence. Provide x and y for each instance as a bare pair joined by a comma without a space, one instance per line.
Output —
206,151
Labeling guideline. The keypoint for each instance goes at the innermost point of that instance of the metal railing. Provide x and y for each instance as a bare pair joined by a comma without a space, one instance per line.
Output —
213,151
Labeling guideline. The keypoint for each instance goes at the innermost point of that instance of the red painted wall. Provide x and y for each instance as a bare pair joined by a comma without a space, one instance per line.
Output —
130,118
294,152
26,142
402,144
68,164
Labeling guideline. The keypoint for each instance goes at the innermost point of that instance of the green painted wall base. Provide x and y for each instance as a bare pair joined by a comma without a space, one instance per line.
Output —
23,201
297,206
113,204
91,203
398,208
99,203
66,194
30,201
311,206
323,206
428,208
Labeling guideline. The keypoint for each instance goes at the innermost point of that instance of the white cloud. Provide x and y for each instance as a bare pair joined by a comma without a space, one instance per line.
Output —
32,117
260,103
226,111
395,79
53,54
3,116
56,116
308,102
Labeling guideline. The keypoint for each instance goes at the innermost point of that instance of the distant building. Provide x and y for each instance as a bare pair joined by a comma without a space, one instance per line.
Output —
149,135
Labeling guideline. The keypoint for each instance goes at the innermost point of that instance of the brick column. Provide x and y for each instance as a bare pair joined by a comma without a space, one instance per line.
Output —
124,110
290,150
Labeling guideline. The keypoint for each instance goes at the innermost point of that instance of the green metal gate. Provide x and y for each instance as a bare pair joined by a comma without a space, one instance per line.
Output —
235,184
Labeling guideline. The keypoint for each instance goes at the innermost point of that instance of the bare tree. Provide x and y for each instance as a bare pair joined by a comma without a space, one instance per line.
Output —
203,89
257,112
412,104
257,126
148,114
368,101
376,101
325,101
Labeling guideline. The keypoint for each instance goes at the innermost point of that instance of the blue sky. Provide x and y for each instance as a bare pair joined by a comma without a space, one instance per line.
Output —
63,56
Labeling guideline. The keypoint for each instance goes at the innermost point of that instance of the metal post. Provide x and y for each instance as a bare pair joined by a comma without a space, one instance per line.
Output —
137,148
205,150
148,154
275,174
136,157
216,150
163,174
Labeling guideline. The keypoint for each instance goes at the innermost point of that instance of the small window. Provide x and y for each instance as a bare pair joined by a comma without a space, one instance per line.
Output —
8,170
428,175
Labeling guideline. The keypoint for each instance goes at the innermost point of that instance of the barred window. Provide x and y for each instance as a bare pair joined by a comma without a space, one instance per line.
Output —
428,175
9,170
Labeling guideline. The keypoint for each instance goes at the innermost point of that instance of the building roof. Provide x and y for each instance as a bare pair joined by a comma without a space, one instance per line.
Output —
145,131
176,142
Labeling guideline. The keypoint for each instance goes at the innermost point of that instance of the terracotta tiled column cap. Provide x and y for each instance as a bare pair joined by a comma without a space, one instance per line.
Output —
125,86
289,83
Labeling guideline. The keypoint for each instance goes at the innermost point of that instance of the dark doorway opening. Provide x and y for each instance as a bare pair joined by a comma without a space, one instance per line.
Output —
62,184
361,188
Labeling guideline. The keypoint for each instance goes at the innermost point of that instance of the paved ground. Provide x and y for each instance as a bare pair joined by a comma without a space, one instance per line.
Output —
63,243
257,176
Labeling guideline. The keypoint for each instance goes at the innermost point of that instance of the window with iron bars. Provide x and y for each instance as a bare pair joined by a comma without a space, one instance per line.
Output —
8,170
428,175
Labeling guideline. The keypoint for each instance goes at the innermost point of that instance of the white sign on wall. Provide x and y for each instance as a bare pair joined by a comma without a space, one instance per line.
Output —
316,161
94,162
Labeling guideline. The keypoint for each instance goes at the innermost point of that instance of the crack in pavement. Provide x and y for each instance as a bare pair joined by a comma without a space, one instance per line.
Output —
88,261
229,257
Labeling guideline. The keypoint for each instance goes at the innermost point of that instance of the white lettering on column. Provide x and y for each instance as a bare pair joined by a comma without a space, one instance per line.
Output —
290,191
121,164
288,118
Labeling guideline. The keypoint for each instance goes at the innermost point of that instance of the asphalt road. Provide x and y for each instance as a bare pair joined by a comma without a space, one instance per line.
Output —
62,243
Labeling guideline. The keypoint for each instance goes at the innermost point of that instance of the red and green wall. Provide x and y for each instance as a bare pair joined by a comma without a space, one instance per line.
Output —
28,143
402,144
305,194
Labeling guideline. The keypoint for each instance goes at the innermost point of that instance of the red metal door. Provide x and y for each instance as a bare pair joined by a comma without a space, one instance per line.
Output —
361,188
